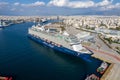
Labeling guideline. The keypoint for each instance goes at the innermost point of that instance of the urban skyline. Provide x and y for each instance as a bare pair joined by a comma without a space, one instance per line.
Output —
59,7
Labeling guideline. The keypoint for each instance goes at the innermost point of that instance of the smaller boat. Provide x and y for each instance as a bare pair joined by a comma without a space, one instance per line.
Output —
5,78
92,77
1,26
102,67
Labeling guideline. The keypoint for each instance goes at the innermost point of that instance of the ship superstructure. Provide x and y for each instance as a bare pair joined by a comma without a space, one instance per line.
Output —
62,42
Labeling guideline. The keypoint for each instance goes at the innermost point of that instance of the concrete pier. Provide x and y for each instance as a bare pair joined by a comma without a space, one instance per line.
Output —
113,71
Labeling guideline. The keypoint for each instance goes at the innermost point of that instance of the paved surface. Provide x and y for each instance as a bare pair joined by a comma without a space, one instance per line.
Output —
113,73
102,46
109,57
72,30
102,51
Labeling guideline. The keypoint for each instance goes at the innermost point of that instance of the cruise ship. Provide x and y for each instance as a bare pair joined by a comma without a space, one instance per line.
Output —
62,42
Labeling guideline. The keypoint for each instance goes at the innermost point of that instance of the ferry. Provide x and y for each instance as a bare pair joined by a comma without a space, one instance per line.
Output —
63,42
102,67
92,77
44,20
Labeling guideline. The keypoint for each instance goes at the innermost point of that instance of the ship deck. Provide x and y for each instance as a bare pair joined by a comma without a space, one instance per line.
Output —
56,38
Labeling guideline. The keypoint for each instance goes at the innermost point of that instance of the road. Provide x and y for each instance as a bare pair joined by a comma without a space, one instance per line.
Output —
102,50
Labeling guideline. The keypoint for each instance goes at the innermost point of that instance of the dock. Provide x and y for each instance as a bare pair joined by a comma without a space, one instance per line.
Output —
105,56
113,71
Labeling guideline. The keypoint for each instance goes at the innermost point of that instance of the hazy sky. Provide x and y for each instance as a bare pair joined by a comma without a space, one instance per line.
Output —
59,7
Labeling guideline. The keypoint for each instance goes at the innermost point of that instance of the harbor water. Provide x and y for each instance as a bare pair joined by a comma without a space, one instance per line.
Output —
25,59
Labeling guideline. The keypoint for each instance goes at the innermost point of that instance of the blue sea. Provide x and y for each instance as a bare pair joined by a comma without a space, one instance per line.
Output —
24,59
